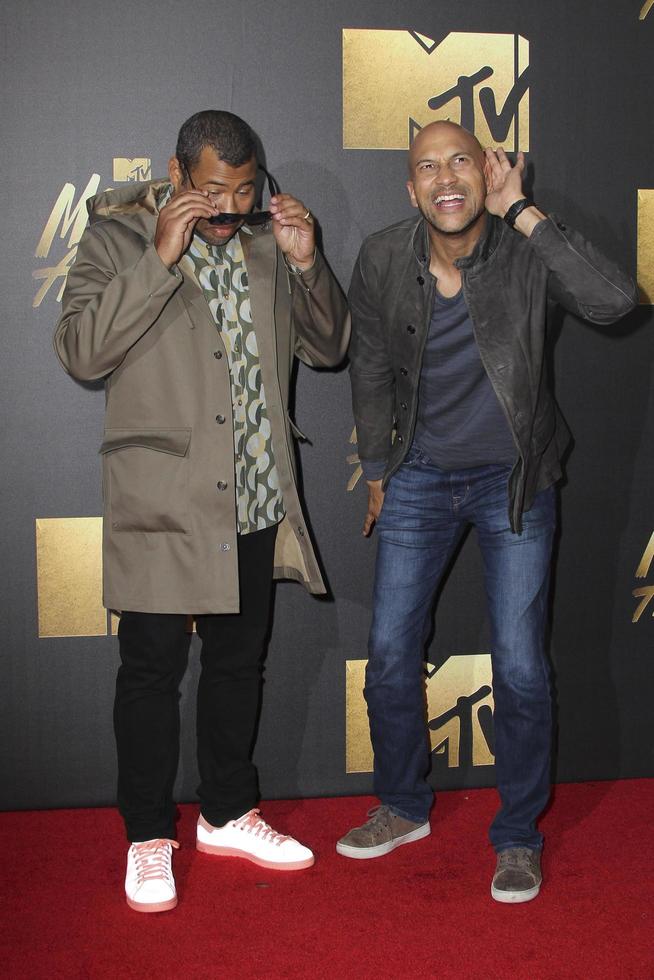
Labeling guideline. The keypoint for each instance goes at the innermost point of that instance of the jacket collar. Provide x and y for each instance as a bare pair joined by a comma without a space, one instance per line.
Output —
486,245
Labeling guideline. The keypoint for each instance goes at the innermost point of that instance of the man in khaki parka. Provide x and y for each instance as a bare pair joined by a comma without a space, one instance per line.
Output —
194,324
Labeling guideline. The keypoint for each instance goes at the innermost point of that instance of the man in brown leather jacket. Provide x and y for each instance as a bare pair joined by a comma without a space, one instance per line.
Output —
457,425
192,309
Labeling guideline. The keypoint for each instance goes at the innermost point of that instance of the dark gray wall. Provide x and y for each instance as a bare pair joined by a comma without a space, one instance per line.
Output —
84,83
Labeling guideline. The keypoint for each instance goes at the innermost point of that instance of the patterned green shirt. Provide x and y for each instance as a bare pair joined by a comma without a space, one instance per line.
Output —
221,274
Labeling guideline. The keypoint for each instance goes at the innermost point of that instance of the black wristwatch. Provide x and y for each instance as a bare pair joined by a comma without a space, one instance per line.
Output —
516,209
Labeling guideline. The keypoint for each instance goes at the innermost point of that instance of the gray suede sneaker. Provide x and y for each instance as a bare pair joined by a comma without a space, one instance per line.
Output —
382,833
517,876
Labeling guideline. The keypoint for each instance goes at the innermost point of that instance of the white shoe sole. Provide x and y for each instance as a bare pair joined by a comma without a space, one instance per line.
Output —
513,898
364,853
218,851
152,906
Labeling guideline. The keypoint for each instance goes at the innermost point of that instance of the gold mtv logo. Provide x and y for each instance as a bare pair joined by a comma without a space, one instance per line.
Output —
459,712
395,82
645,262
140,168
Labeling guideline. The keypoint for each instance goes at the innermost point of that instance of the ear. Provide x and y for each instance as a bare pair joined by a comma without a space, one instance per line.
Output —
177,177
412,193
488,176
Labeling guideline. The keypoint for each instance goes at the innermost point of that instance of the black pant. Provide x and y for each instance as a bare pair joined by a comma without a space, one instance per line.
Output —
154,655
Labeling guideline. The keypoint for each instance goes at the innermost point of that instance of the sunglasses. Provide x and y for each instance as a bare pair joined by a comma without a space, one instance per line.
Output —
252,217
231,217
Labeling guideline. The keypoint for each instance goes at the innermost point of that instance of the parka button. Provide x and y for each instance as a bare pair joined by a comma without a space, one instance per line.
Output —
221,485
403,405
217,354
225,546
403,372
420,280
411,328
400,439
220,419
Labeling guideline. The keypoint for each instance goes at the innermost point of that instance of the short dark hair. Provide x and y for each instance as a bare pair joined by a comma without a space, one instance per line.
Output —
227,134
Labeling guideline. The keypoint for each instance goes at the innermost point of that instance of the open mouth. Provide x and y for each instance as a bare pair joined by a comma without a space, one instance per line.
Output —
449,202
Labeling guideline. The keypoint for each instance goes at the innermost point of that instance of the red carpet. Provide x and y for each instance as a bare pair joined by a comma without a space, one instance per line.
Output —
422,911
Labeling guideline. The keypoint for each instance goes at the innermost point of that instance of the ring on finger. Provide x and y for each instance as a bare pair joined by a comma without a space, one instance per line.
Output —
307,215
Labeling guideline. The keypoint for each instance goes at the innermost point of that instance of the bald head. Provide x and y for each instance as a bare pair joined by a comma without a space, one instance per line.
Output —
443,131
447,178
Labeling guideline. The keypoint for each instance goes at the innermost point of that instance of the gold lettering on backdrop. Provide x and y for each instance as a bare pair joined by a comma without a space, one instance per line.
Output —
645,593
65,217
69,577
646,560
395,82
68,219
353,460
645,255
459,713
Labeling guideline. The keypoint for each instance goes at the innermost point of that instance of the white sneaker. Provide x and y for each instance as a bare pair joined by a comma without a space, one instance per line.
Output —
149,882
251,838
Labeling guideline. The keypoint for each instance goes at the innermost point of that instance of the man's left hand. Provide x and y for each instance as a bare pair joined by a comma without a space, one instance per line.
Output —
504,181
293,230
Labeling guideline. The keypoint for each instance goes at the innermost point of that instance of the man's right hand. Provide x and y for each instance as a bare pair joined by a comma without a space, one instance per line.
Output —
176,222
375,503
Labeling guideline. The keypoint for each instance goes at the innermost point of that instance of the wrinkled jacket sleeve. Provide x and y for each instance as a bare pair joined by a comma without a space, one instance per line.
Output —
371,372
581,278
320,316
106,309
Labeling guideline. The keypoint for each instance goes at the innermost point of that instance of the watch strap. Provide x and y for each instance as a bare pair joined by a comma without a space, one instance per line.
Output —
517,209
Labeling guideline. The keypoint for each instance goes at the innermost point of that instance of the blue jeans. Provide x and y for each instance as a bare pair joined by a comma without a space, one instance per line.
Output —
425,512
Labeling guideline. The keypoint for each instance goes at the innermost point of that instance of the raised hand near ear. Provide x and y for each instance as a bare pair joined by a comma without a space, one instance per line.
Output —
504,189
503,180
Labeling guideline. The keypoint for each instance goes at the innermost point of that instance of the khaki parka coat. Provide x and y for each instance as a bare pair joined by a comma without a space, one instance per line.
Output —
170,538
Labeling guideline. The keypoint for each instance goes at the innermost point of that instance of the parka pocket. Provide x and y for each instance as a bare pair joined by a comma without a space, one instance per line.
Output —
146,479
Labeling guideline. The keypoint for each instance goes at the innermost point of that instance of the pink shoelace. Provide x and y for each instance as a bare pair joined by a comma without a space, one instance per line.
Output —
152,859
253,823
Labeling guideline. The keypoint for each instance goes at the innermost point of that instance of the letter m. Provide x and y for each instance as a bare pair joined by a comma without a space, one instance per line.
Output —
66,216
